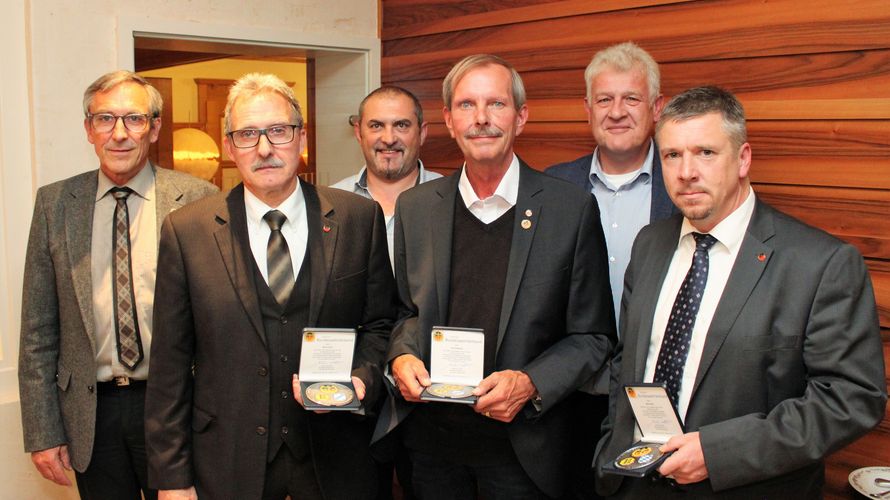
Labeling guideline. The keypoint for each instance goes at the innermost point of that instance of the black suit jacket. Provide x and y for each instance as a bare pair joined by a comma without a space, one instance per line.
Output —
791,369
207,405
556,321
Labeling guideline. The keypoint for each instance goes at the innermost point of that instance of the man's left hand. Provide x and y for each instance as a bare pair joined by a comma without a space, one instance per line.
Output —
502,394
687,464
356,382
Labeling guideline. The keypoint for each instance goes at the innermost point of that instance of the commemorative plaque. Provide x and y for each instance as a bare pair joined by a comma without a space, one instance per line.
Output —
457,359
657,421
326,368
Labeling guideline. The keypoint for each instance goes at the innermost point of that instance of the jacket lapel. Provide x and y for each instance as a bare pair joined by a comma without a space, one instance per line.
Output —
745,274
323,231
234,248
79,208
169,196
441,231
527,209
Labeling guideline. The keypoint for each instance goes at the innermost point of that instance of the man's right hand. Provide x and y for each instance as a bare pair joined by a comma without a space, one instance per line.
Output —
411,376
52,464
186,494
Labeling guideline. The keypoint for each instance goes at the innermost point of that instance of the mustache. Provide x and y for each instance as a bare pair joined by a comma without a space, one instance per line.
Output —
266,163
396,146
489,131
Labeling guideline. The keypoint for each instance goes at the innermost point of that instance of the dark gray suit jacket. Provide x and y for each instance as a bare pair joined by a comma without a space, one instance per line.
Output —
208,426
556,321
57,357
791,369
578,172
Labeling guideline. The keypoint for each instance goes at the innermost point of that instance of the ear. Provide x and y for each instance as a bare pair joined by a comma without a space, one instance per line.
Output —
424,129
154,130
588,110
303,140
744,160
521,118
227,145
357,131
447,114
657,108
89,131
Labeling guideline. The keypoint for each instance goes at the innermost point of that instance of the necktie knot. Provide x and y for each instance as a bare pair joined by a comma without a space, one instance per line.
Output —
120,193
703,241
275,219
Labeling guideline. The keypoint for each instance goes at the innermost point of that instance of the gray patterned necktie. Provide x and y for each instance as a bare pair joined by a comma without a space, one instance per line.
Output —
129,342
278,263
675,344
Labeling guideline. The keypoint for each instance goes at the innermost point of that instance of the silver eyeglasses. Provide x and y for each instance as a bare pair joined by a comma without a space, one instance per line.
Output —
250,137
105,122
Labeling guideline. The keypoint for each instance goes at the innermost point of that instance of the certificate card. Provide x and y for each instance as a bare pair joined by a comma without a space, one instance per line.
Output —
457,359
326,368
657,420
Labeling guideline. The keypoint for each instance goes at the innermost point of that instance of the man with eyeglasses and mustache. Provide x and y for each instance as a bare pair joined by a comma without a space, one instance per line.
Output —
88,297
390,129
520,255
239,277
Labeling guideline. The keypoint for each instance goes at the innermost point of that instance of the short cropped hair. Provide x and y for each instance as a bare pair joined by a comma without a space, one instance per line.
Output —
392,91
700,101
111,80
253,84
624,57
472,62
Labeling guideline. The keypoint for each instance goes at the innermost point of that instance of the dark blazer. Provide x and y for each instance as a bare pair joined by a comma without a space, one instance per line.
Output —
207,404
791,368
556,321
57,353
578,172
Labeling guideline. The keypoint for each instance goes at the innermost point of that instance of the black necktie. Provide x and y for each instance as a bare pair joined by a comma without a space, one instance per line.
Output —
675,344
129,343
278,263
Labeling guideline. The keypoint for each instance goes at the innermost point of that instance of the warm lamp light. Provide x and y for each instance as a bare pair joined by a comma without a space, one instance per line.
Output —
195,153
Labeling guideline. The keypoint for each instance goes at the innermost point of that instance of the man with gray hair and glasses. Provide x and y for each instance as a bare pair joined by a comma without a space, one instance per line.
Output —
239,277
88,297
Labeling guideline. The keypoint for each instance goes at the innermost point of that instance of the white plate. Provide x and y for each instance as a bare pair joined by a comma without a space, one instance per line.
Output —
864,480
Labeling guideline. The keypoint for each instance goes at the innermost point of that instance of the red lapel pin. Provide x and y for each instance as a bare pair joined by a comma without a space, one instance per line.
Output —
761,257
326,228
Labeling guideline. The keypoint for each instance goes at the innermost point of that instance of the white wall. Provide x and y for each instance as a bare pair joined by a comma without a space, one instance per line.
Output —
50,50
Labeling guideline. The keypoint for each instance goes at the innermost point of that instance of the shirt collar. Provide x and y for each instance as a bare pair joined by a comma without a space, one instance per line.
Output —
507,190
362,178
645,172
731,230
141,183
256,209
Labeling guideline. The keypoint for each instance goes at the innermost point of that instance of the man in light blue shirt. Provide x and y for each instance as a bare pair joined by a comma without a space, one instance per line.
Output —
624,174
390,130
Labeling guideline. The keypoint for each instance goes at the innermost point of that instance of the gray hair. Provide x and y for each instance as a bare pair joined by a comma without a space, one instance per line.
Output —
111,80
624,57
472,62
392,91
700,101
253,84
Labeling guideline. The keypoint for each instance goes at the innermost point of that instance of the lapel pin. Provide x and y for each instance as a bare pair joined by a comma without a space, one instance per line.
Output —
528,212
526,224
326,228
761,257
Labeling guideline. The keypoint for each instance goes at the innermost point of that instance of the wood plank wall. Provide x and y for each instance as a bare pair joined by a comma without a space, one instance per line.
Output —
813,75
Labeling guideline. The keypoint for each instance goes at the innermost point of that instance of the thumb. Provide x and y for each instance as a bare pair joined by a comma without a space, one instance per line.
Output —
63,455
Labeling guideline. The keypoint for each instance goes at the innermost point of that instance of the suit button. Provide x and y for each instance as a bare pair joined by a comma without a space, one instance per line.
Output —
261,371
283,320
284,394
261,430
91,388
285,430
284,358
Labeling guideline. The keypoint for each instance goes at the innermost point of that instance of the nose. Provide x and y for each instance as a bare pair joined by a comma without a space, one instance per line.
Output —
687,170
119,132
388,136
264,147
616,109
481,115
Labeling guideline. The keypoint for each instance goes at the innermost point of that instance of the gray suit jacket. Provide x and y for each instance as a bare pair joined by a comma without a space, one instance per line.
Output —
556,321
57,357
791,368
208,400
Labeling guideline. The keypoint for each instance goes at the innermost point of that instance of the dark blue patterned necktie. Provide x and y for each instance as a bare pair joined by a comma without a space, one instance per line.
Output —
675,344
278,263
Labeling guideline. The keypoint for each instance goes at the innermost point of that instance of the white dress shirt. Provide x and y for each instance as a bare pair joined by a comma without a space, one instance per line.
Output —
142,209
295,229
729,234
496,205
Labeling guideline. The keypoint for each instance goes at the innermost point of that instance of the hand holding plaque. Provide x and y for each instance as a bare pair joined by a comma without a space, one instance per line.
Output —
325,369
457,359
657,421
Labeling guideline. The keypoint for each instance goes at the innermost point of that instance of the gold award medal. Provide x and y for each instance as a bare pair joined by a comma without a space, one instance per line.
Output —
452,391
329,394
637,457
